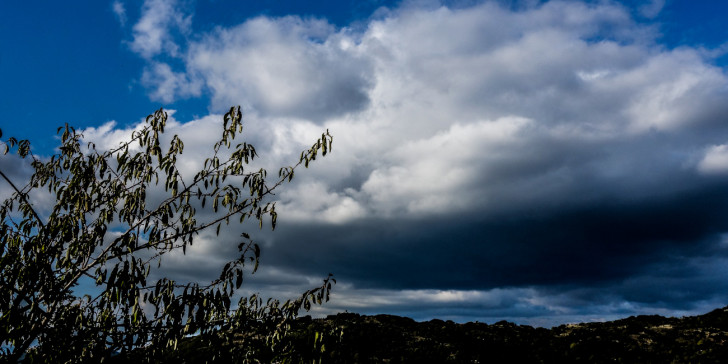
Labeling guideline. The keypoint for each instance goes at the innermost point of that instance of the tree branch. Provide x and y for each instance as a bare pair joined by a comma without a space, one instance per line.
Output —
23,196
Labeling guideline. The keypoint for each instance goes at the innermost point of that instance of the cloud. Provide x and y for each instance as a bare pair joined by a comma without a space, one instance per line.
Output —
428,176
280,67
152,33
16,169
120,12
652,8
283,67
313,200
554,151
715,160
166,85
543,307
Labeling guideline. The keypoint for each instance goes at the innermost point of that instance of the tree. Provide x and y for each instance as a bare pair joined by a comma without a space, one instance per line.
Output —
103,231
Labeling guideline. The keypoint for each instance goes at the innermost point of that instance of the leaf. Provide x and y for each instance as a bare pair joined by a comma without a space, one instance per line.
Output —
238,279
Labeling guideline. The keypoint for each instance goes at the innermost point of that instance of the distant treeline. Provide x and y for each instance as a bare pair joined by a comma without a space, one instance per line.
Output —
353,338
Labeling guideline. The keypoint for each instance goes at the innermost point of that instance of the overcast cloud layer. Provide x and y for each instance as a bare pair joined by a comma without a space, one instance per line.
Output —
542,164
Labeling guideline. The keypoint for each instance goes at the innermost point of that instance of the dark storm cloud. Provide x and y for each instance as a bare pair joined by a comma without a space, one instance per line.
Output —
606,241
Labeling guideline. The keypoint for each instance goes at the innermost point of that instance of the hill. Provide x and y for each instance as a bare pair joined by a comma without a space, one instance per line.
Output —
354,338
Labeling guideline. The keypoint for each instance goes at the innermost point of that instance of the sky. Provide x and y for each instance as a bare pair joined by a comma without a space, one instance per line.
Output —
542,162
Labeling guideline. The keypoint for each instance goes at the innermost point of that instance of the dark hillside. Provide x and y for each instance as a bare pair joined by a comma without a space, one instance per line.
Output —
640,339
353,338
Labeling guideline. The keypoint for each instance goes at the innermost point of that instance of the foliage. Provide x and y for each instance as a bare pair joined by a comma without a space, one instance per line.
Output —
105,231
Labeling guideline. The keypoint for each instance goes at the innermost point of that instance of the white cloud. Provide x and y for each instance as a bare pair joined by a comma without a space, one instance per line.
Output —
313,201
152,33
652,8
436,110
715,160
282,67
198,136
120,11
166,85
429,176
673,90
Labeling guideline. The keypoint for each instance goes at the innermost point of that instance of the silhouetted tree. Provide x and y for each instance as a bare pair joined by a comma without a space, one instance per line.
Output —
103,230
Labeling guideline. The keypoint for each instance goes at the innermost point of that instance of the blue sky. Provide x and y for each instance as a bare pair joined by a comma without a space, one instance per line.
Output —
70,62
541,162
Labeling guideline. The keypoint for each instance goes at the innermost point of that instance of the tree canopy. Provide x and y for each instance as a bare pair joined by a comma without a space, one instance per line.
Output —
105,232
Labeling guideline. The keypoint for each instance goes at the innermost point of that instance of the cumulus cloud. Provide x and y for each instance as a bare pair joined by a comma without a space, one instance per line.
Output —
283,67
476,148
166,84
153,32
428,176
314,200
441,106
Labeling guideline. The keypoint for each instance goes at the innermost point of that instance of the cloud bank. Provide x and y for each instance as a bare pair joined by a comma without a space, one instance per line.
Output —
553,158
